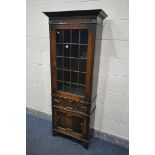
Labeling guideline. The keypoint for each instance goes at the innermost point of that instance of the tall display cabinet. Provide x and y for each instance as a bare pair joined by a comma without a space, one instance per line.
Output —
75,41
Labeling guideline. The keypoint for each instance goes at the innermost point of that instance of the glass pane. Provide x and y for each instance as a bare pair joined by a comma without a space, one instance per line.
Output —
59,62
75,51
67,50
71,52
74,77
74,64
82,65
67,63
74,88
83,51
81,90
60,74
75,36
66,87
82,78
59,50
59,36
84,36
59,85
67,36
67,76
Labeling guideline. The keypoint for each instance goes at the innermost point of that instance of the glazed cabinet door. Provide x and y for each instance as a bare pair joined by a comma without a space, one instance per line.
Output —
71,61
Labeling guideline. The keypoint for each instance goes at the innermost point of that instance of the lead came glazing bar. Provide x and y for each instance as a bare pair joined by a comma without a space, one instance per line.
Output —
71,50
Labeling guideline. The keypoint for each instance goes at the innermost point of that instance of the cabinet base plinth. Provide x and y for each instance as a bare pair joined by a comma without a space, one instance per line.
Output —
85,144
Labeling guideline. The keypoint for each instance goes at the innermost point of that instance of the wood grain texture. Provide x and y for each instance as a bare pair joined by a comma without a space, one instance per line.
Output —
74,115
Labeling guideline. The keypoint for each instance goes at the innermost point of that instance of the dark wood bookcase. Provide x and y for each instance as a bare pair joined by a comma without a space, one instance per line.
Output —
75,41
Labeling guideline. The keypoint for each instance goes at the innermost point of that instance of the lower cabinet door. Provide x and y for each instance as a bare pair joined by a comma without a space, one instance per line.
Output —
70,123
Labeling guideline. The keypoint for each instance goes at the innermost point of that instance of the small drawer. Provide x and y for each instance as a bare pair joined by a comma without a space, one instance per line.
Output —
74,105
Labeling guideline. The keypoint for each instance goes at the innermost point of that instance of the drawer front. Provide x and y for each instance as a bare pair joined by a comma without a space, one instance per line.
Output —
74,105
70,123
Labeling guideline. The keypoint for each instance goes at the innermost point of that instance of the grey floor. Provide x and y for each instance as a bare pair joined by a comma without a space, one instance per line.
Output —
39,141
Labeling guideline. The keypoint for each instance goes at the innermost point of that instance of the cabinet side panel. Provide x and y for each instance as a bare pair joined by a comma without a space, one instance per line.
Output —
91,124
97,49
53,60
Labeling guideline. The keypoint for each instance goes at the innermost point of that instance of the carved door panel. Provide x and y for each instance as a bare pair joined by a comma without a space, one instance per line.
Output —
70,123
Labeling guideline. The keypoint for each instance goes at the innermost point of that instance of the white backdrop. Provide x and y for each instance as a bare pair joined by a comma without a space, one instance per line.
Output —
112,113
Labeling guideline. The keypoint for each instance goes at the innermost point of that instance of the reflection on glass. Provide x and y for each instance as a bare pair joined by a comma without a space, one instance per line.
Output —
67,50
59,36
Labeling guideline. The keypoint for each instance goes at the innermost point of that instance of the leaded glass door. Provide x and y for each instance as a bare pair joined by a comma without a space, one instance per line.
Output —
71,60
